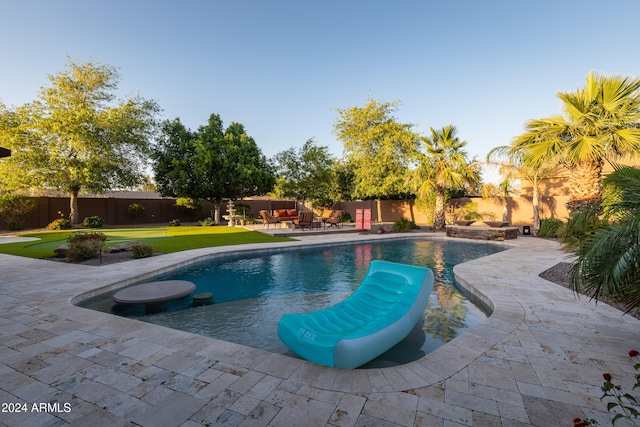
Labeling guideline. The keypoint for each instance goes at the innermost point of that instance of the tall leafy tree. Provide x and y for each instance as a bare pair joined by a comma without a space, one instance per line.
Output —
306,174
443,167
211,163
173,161
378,148
249,171
77,137
601,122
344,181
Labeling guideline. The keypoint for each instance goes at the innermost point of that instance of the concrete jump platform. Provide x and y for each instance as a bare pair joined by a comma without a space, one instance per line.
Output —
154,292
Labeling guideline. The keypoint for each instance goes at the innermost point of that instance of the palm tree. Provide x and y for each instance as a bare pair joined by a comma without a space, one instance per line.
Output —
444,167
601,123
503,192
608,260
514,163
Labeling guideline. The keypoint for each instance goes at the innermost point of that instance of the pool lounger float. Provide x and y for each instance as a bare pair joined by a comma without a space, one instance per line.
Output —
379,314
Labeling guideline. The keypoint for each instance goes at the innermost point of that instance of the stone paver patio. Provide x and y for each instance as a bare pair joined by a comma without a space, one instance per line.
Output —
537,360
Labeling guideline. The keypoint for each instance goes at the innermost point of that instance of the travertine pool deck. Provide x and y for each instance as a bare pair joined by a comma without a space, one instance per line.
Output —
537,360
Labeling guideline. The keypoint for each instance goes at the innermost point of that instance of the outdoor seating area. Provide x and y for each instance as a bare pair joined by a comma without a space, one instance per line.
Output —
285,214
301,220
268,219
333,219
304,220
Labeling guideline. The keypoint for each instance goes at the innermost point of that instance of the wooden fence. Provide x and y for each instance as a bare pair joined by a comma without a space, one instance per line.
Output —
114,210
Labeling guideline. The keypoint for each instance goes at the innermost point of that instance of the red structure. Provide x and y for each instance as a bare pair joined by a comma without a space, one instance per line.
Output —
363,219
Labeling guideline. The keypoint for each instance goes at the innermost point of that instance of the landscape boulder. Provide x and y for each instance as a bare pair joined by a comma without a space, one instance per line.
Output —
61,251
121,247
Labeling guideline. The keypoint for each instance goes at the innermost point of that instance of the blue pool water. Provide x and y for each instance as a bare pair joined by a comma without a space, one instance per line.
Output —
252,292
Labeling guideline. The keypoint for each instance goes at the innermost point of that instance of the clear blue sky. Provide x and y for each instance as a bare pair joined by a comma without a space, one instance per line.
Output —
281,68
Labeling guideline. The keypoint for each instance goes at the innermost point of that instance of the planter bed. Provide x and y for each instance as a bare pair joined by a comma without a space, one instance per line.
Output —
482,233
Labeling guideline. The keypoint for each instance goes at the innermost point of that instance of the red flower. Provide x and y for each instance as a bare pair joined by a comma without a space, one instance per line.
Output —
633,353
607,377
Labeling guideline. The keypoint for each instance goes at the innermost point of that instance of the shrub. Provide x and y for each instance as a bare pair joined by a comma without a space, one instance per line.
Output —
403,225
174,222
190,206
243,210
346,217
83,246
620,404
92,222
549,227
61,223
135,211
580,226
142,250
208,221
467,211
15,208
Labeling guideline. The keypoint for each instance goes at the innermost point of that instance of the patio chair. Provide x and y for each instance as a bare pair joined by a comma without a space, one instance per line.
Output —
326,214
304,220
267,219
335,219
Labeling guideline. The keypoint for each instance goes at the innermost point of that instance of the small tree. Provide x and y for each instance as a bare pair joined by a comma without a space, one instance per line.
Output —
503,193
514,162
444,167
306,174
190,206
135,211
15,208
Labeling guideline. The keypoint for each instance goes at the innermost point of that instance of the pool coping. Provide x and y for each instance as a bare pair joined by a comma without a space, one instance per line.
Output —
526,338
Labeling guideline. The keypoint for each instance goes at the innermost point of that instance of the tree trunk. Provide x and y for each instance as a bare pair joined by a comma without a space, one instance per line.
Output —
379,209
585,184
438,216
74,216
216,214
535,202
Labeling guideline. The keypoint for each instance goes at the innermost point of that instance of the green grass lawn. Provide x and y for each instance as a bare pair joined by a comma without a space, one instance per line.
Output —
163,239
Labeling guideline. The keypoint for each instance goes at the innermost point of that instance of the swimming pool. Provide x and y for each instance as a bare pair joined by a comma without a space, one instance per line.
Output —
251,292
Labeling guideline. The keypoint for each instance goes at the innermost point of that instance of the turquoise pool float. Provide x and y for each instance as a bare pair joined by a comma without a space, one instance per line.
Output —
380,313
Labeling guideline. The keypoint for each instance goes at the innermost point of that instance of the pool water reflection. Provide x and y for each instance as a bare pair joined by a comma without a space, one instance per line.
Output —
252,292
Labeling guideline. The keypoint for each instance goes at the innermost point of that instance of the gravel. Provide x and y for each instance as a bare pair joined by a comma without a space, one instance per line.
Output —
106,259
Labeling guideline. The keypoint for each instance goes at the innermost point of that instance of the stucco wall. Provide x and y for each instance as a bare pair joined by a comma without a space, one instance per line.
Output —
520,209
